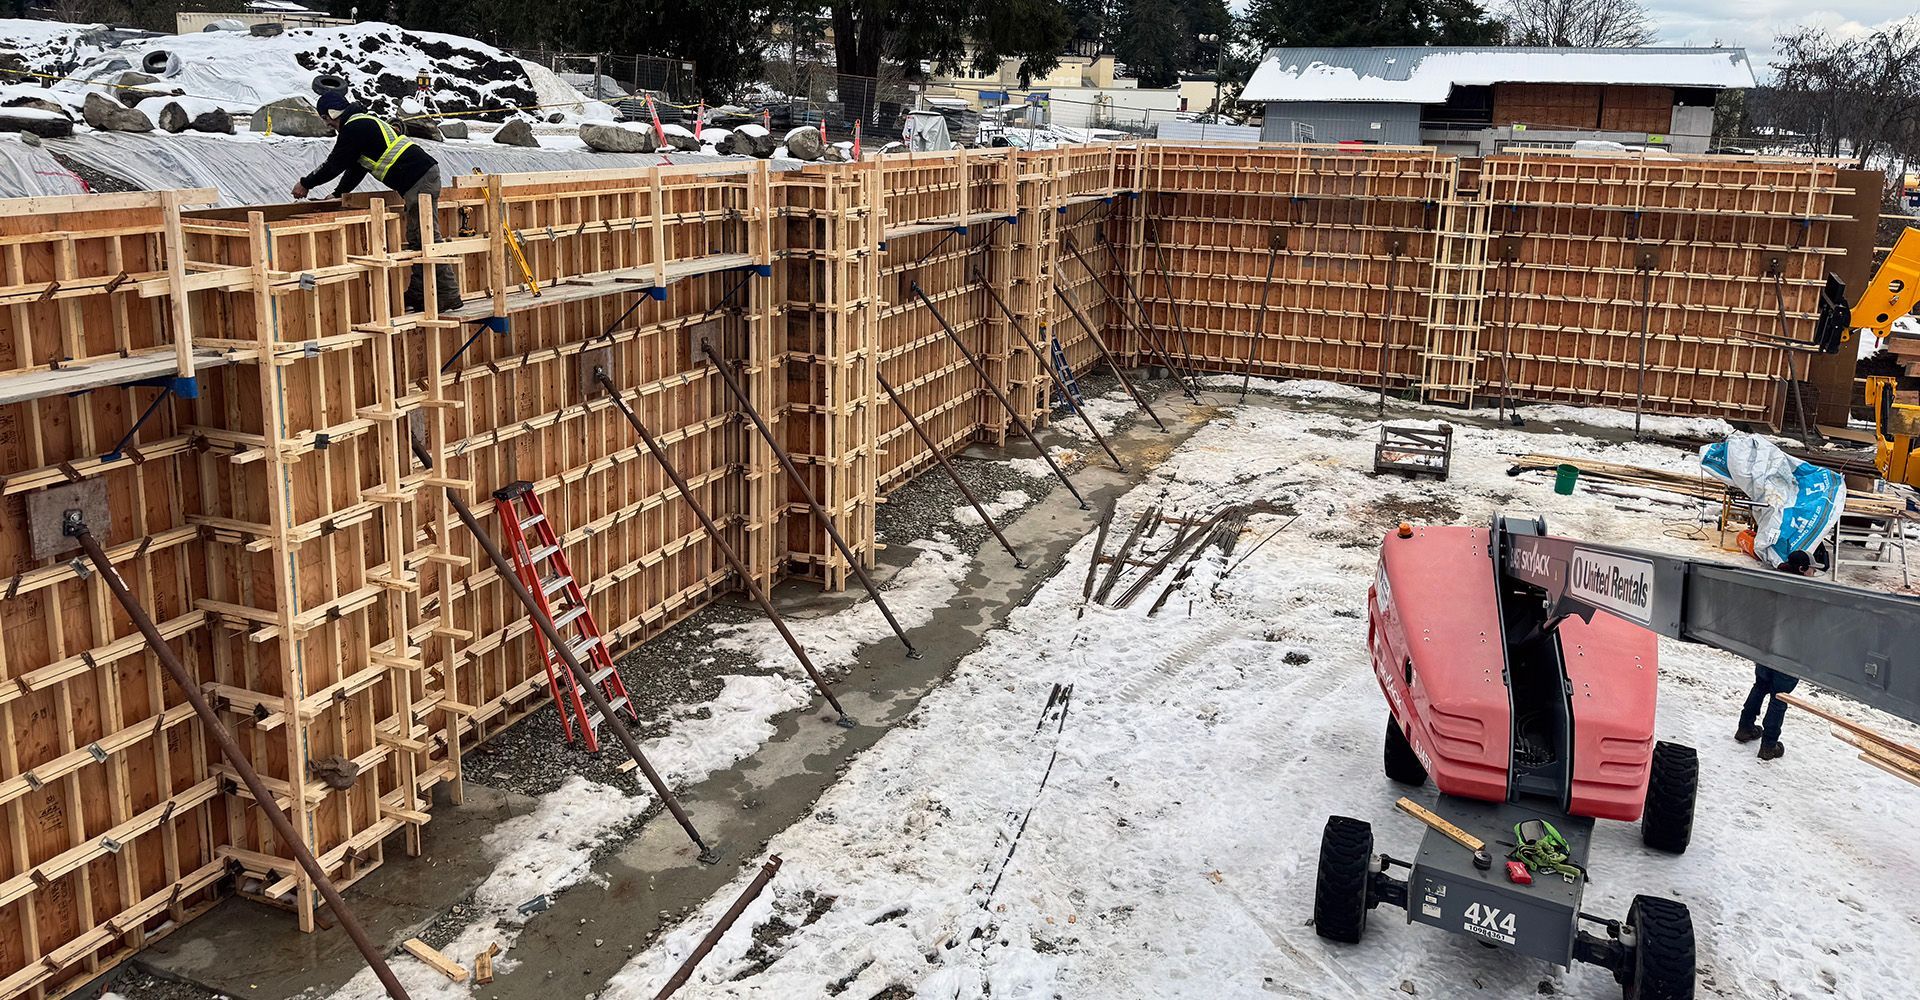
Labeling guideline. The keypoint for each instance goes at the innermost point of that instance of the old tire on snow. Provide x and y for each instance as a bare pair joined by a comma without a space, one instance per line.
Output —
1661,967
1340,890
1666,823
1403,765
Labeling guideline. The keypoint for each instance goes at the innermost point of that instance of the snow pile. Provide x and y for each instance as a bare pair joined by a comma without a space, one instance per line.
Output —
1007,502
1160,839
381,64
916,592
51,47
1105,412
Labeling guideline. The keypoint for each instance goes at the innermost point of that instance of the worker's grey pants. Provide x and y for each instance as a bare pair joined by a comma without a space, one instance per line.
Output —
446,282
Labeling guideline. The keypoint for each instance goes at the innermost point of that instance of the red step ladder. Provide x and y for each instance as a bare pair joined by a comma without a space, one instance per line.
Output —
520,512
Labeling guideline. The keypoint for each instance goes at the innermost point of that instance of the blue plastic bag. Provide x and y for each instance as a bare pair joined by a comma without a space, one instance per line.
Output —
1796,502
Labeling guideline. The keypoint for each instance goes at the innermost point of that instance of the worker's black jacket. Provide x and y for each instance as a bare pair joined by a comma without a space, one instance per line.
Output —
362,138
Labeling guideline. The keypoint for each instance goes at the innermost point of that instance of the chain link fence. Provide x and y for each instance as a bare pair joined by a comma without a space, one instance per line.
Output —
623,81
814,93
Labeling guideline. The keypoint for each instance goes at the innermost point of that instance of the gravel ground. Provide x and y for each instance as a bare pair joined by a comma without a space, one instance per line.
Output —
137,984
923,508
97,181
677,667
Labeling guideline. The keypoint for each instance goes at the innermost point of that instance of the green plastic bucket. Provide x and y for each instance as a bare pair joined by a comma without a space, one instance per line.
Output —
1564,478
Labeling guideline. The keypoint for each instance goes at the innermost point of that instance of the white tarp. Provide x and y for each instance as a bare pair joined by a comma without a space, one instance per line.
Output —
263,171
29,171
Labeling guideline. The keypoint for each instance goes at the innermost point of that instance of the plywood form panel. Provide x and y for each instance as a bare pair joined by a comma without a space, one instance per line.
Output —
1573,306
1351,277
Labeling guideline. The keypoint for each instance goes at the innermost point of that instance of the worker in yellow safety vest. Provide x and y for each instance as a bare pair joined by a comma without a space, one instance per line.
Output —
366,145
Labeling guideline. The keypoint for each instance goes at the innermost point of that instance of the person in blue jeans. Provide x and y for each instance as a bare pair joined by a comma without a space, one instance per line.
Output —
1766,682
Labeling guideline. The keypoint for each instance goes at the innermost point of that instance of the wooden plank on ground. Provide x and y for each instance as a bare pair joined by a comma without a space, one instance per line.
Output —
425,952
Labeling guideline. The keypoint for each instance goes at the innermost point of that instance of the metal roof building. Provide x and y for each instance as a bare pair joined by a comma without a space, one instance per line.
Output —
1436,94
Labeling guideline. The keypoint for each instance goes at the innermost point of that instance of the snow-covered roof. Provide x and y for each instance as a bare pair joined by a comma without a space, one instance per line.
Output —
1412,74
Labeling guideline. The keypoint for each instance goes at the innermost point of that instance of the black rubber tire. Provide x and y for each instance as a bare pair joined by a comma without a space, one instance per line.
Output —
1666,821
1340,890
1662,964
1402,765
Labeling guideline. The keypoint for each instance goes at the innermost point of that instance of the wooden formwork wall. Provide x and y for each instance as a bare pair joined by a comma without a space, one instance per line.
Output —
111,815
941,212
828,296
1735,251
1350,238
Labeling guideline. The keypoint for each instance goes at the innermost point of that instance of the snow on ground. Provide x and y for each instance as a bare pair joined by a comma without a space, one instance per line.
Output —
549,849
1604,416
915,593
540,852
1161,839
1006,502
1104,411
51,46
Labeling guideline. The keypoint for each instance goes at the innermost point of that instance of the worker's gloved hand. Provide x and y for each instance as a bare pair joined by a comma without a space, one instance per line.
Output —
299,190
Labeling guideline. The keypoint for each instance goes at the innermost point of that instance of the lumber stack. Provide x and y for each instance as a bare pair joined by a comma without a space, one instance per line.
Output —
1889,755
1697,485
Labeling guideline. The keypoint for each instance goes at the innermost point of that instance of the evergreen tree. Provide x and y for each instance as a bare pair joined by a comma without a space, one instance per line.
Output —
1369,22
1035,32
1154,40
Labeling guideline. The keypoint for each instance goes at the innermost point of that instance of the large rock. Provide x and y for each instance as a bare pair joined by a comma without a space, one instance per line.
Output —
805,143
133,87
453,128
750,140
515,133
291,116
108,116
173,118
33,121
420,128
39,104
614,139
681,139
216,121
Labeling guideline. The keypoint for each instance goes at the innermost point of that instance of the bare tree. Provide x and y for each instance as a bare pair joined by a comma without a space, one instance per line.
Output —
1846,95
1579,23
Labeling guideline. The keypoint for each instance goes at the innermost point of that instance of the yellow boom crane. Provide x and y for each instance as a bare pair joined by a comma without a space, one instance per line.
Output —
1889,295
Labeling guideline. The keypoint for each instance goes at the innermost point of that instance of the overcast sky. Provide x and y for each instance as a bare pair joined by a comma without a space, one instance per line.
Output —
1754,23
1750,24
